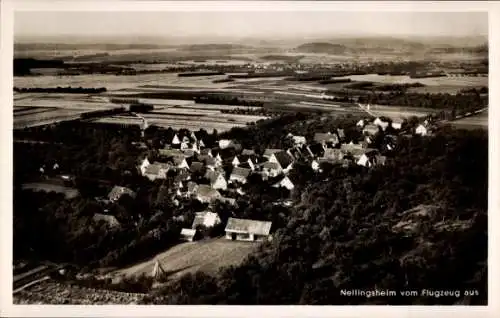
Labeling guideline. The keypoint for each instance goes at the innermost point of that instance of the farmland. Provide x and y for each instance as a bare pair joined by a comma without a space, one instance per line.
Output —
207,256
477,121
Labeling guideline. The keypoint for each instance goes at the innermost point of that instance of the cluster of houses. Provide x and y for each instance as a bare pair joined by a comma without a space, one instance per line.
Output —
207,173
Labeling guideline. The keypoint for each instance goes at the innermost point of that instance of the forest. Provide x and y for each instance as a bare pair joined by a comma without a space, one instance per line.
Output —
345,233
418,222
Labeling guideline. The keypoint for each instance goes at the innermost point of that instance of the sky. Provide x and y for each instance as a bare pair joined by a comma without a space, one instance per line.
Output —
250,24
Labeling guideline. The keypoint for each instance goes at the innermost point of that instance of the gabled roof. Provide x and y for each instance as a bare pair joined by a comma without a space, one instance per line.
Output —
191,186
371,129
228,200
205,217
178,160
270,165
248,226
212,176
269,152
205,151
210,161
326,137
207,191
241,172
317,150
283,158
188,233
333,154
170,152
248,152
350,146
152,170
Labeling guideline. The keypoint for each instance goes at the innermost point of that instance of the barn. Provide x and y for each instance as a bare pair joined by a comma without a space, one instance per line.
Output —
247,230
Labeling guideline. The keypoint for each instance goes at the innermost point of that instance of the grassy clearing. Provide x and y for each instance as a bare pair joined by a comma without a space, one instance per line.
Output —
207,256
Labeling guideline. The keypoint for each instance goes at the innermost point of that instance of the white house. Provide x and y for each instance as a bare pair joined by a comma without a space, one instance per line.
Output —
421,130
217,180
206,219
360,123
144,164
236,162
181,163
176,140
225,143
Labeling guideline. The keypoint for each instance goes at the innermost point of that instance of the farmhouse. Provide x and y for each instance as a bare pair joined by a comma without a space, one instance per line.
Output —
196,167
368,158
333,154
169,153
117,192
239,175
216,179
247,230
397,124
206,219
381,123
360,123
180,162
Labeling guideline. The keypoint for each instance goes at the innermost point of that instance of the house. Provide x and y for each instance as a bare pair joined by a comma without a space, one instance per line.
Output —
186,140
360,123
207,194
421,130
271,169
371,129
381,123
176,140
206,219
144,164
283,159
189,235
157,171
117,192
248,152
229,201
188,190
367,159
235,162
326,139
247,230
216,179
350,146
315,150
284,183
269,152
239,175
196,167
180,162
299,140
225,143
341,133
169,153
110,220
333,154
206,152
185,145
397,124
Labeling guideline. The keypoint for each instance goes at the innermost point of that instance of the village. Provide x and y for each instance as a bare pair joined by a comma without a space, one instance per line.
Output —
218,172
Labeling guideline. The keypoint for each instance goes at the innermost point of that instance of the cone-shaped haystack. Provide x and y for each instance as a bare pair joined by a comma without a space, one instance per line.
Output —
158,271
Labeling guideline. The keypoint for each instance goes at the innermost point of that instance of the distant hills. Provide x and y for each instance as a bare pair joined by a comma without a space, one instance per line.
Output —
321,47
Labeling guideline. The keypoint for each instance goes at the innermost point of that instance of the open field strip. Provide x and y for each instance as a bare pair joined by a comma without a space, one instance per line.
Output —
184,111
214,117
29,111
174,124
215,107
206,256
429,81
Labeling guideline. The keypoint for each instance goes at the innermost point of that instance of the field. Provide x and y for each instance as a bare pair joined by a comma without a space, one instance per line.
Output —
207,256
478,121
